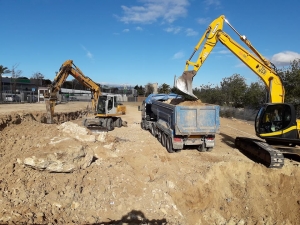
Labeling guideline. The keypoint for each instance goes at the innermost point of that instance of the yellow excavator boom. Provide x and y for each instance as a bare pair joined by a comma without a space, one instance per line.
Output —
255,61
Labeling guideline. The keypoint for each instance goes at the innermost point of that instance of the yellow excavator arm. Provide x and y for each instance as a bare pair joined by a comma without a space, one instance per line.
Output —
69,68
256,62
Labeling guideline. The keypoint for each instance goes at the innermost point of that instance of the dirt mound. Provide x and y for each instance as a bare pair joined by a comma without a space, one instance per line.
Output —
183,102
126,176
17,118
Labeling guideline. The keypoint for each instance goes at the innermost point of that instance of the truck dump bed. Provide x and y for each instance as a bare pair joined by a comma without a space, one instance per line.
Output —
189,120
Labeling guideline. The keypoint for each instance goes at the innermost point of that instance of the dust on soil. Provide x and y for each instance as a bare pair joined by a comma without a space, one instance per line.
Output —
128,177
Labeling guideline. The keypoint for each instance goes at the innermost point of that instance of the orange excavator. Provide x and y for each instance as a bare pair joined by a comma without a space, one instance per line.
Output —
105,107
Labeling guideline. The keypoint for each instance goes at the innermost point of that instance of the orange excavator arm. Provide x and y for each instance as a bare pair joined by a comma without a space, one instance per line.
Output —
69,68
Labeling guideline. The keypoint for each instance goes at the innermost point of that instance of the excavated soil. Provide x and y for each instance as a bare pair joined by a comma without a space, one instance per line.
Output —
178,101
62,174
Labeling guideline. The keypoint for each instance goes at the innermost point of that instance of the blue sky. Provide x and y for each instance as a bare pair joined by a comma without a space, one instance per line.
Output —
135,42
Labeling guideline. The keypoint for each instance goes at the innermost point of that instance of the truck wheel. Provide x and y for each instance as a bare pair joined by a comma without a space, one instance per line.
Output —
159,135
209,149
143,125
163,139
201,148
169,145
109,124
153,129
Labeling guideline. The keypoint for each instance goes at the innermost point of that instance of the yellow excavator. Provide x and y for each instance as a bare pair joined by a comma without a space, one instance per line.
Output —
105,107
284,130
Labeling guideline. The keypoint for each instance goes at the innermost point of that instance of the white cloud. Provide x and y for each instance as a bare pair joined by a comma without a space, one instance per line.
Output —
139,28
240,65
223,52
126,30
88,53
173,30
191,32
178,55
284,58
203,21
152,10
212,2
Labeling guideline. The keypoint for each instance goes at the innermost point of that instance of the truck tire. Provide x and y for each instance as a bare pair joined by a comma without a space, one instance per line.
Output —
209,149
163,139
159,135
153,129
201,148
169,145
143,125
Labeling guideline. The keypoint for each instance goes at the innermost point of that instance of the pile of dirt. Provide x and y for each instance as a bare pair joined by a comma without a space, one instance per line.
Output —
183,102
127,176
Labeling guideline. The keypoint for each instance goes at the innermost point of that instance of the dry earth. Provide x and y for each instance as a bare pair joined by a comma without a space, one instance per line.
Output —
62,174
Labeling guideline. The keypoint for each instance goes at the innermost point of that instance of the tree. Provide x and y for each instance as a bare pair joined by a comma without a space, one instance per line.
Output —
209,94
140,90
164,89
291,81
37,75
38,78
15,73
255,95
149,89
3,70
234,88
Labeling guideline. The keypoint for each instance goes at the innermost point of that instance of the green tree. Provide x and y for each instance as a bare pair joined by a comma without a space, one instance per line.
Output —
140,90
255,95
291,81
234,89
3,70
15,74
209,93
149,89
164,89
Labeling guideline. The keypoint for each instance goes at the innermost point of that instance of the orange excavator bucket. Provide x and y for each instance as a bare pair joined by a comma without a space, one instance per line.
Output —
184,83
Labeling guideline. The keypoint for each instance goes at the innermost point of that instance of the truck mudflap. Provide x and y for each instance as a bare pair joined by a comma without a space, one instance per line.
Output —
260,151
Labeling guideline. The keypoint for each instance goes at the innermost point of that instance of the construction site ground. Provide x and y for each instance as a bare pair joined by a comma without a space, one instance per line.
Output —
62,174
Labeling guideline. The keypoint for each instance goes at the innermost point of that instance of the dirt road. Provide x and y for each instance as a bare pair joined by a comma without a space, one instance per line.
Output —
126,176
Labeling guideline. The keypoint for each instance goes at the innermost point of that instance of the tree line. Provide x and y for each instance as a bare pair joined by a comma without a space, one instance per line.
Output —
231,91
234,91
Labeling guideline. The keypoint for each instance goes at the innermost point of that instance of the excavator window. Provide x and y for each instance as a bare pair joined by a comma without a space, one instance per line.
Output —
115,102
110,104
101,105
273,118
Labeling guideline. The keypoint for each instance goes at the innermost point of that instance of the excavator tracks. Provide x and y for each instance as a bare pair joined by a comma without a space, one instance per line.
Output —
261,151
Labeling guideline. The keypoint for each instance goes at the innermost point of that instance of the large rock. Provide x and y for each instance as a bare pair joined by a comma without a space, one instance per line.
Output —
78,132
65,160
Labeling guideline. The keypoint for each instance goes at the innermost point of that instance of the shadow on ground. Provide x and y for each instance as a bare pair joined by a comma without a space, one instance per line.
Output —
134,217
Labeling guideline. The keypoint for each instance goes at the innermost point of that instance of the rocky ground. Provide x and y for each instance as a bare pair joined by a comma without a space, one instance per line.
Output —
63,174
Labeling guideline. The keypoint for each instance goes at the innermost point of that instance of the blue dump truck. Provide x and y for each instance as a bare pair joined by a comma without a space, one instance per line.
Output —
177,123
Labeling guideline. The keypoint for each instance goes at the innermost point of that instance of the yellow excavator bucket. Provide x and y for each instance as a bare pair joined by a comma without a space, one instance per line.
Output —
184,83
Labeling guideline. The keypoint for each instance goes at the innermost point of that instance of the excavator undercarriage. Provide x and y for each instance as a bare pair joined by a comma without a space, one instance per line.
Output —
260,151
